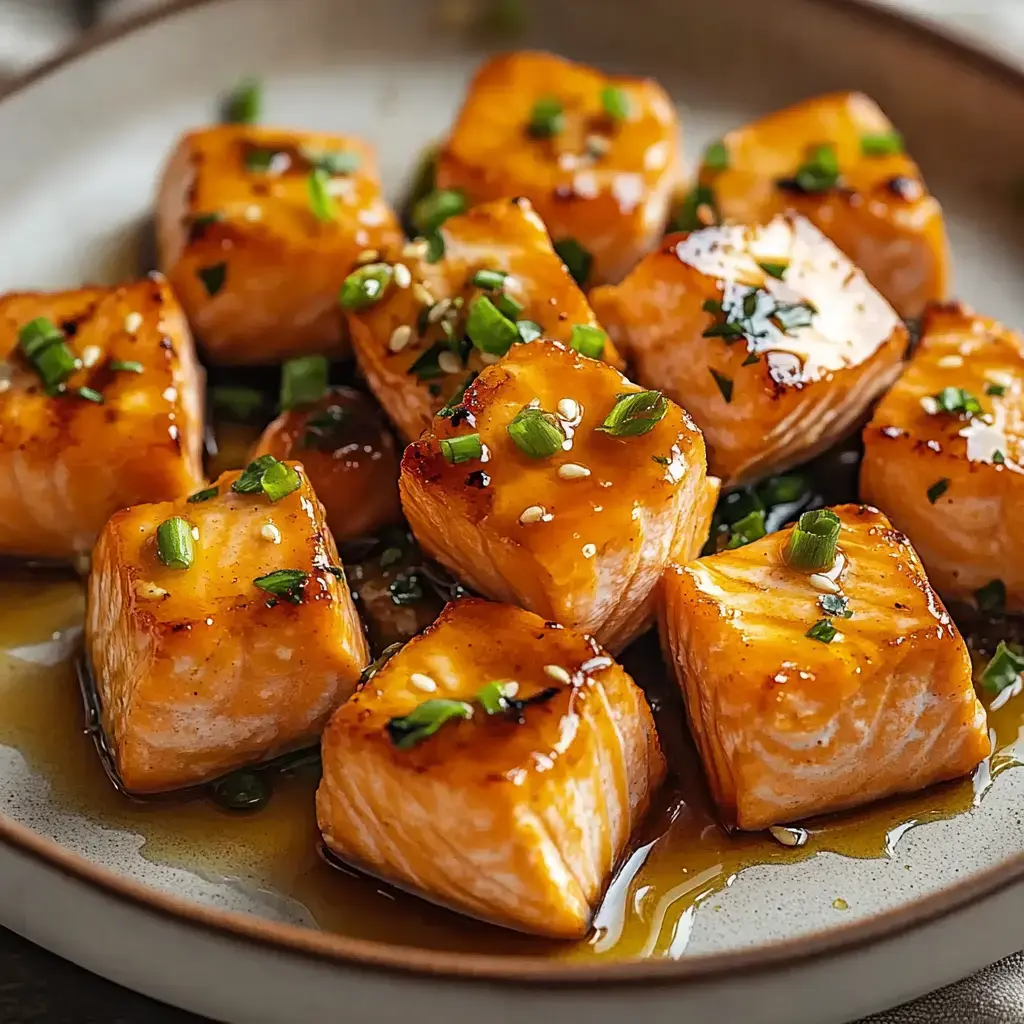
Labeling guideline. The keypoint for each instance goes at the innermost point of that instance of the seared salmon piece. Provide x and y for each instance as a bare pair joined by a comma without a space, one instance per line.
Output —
234,658
560,486
944,456
350,459
410,338
598,156
767,335
839,161
813,692
257,228
496,764
124,426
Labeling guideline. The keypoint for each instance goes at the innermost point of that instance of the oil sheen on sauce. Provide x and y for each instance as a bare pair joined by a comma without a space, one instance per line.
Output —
678,858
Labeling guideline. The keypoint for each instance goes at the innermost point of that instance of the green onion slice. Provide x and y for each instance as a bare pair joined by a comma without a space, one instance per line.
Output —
996,390
1003,670
716,156
90,395
174,543
615,102
332,162
507,305
588,341
823,631
818,173
408,730
436,207
724,383
547,118
365,286
634,413
286,583
812,544
462,449
746,530
488,328
881,143
493,697
244,104
991,598
489,280
529,330
303,381
937,490
44,346
578,261
320,200
536,433
204,495
125,366
268,475
958,402
776,270
213,277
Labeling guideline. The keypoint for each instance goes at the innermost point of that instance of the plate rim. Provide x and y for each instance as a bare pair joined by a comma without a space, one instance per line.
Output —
391,958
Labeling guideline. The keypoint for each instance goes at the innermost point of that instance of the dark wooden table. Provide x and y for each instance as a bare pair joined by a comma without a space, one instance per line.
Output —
37,987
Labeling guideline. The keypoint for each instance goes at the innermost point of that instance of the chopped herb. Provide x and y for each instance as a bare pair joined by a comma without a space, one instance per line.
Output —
303,381
752,358
528,330
461,449
375,666
818,173
576,259
517,705
174,543
776,270
286,583
204,220
390,556
813,541
615,102
958,401
365,286
261,160
635,413
236,403
547,118
125,366
998,458
724,383
455,401
320,200
213,277
204,495
716,156
823,631
687,216
991,598
435,208
244,104
241,791
881,143
405,588
435,246
507,305
332,162
792,316
268,475
494,697
489,280
1004,669
938,489
835,604
996,390
536,433
488,328
408,730
661,460
90,395
748,529
426,366
322,428
43,344
588,341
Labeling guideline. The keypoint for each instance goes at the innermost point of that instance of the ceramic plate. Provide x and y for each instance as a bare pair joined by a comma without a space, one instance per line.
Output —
827,938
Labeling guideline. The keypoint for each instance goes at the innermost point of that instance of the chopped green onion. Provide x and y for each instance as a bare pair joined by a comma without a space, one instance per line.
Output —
332,162
818,173
812,544
455,401
375,666
493,697
835,604
43,345
547,118
716,156
426,366
261,159
938,489
37,336
125,366
881,143
407,731
461,449
996,390
752,357
489,280
435,246
286,583
405,589
507,305
249,480
634,413
528,330
204,495
320,200
244,104
724,383
823,631
576,259
687,217
241,791
998,458
237,403
1003,670
303,381
588,341
366,286
213,277
748,529
435,208
776,270
279,480
792,316
90,395
536,433
615,102
174,543
488,328
991,598
321,428
958,401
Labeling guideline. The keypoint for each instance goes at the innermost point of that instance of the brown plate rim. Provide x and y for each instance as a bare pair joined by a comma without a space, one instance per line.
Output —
514,970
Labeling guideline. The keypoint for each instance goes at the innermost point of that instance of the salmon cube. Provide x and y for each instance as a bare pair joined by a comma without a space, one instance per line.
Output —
126,425
411,343
944,456
813,692
497,764
241,655
839,161
257,228
597,155
580,529
767,335
349,456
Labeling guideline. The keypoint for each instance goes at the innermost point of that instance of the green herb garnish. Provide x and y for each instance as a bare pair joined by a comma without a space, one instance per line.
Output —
1003,670
536,433
213,277
881,143
174,543
528,330
320,200
332,162
746,530
408,730
588,341
724,383
812,544
818,173
303,381
125,366
938,489
635,413
455,401
204,495
488,328
494,697
687,217
268,475
996,390
576,259
776,270
823,631
615,102
958,402
244,104
716,157
365,286
461,449
286,583
43,344
489,280
435,208
991,598
547,118
90,395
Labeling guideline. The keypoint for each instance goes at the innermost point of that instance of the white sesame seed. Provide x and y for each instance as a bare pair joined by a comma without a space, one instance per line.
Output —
422,682
951,362
170,394
416,250
823,583
367,256
253,213
558,673
788,836
422,294
195,533
573,471
339,187
268,531
533,514
584,184
568,409
149,591
402,275
568,161
438,310
489,358
132,322
511,284
930,405
400,338
449,362
589,550
91,355
1000,377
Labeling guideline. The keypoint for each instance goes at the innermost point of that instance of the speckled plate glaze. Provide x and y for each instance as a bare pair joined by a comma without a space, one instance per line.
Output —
83,141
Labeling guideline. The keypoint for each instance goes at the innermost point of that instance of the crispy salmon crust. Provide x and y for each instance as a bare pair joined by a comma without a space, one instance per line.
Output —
198,670
518,817
788,726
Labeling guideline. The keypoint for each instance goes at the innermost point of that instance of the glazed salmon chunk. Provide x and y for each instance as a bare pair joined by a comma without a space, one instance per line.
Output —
840,162
767,335
413,321
558,485
257,228
497,764
101,407
944,456
814,685
219,628
596,155
349,455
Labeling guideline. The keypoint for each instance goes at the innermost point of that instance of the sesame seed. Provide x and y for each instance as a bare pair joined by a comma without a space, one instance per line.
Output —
339,187
951,362
511,284
489,358
270,532
400,338
422,294
568,161
788,836
195,533
573,471
402,275
558,673
438,310
821,582
367,256
91,355
589,550
930,405
170,394
449,362
1000,377
416,250
597,145
422,682
132,322
568,409
533,514
253,213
